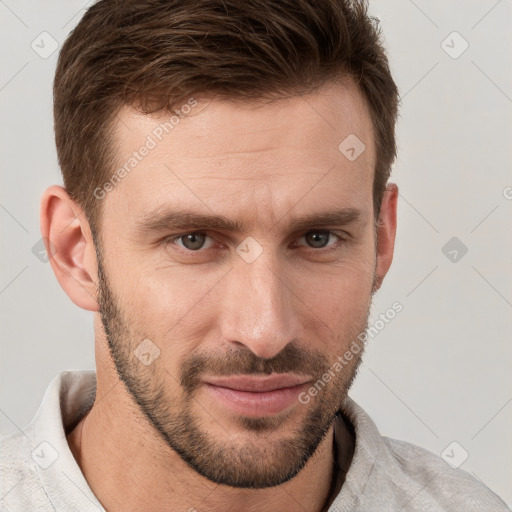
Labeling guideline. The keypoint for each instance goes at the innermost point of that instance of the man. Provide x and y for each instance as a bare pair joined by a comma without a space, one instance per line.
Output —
227,215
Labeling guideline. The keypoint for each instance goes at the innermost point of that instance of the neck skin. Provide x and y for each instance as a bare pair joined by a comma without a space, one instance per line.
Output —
129,467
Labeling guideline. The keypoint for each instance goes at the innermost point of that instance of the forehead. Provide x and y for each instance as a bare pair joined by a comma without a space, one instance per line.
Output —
245,158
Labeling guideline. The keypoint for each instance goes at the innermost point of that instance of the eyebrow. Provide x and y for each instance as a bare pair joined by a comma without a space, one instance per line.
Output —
161,220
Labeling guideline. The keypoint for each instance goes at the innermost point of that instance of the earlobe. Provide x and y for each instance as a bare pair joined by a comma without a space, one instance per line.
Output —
386,233
70,247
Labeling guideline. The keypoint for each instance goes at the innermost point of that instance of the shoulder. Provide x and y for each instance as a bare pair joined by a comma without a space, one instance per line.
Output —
20,486
439,486
391,475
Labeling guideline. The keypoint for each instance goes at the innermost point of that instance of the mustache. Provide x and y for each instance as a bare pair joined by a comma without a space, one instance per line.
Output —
292,359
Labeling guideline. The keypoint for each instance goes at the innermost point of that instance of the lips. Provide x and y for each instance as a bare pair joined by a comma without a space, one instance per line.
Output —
256,396
257,384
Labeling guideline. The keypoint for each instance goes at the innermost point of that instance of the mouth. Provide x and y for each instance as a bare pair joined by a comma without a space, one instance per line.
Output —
257,396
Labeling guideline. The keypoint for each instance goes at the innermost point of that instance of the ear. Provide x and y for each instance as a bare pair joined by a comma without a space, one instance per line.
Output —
68,241
386,232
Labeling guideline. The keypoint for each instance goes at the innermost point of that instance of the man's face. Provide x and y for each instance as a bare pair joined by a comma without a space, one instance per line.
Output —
246,319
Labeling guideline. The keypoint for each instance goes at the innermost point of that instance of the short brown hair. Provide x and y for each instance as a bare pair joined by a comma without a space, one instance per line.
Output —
155,53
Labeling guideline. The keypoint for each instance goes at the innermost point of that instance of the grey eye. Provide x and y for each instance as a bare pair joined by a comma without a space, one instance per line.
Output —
193,241
317,239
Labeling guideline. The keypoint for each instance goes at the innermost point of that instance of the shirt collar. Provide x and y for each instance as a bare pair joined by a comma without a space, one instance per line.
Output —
68,397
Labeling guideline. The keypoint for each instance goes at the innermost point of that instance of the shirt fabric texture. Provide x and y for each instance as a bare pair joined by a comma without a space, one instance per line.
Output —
39,473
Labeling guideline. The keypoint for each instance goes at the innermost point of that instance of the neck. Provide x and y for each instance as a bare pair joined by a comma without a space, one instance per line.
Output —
154,475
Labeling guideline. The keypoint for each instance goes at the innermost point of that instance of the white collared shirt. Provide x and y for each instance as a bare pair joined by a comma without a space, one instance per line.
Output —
39,473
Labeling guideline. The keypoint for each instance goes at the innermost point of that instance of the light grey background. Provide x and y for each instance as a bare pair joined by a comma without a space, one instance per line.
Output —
440,371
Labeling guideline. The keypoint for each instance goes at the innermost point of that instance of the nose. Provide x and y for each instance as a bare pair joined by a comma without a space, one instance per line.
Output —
259,308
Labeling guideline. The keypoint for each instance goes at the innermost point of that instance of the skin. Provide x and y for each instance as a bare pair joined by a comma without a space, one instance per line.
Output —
263,164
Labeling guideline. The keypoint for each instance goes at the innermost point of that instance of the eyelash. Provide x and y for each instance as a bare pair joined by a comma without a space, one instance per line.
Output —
342,236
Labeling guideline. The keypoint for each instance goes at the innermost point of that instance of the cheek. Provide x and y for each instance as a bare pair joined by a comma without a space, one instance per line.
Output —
338,308
341,291
170,308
